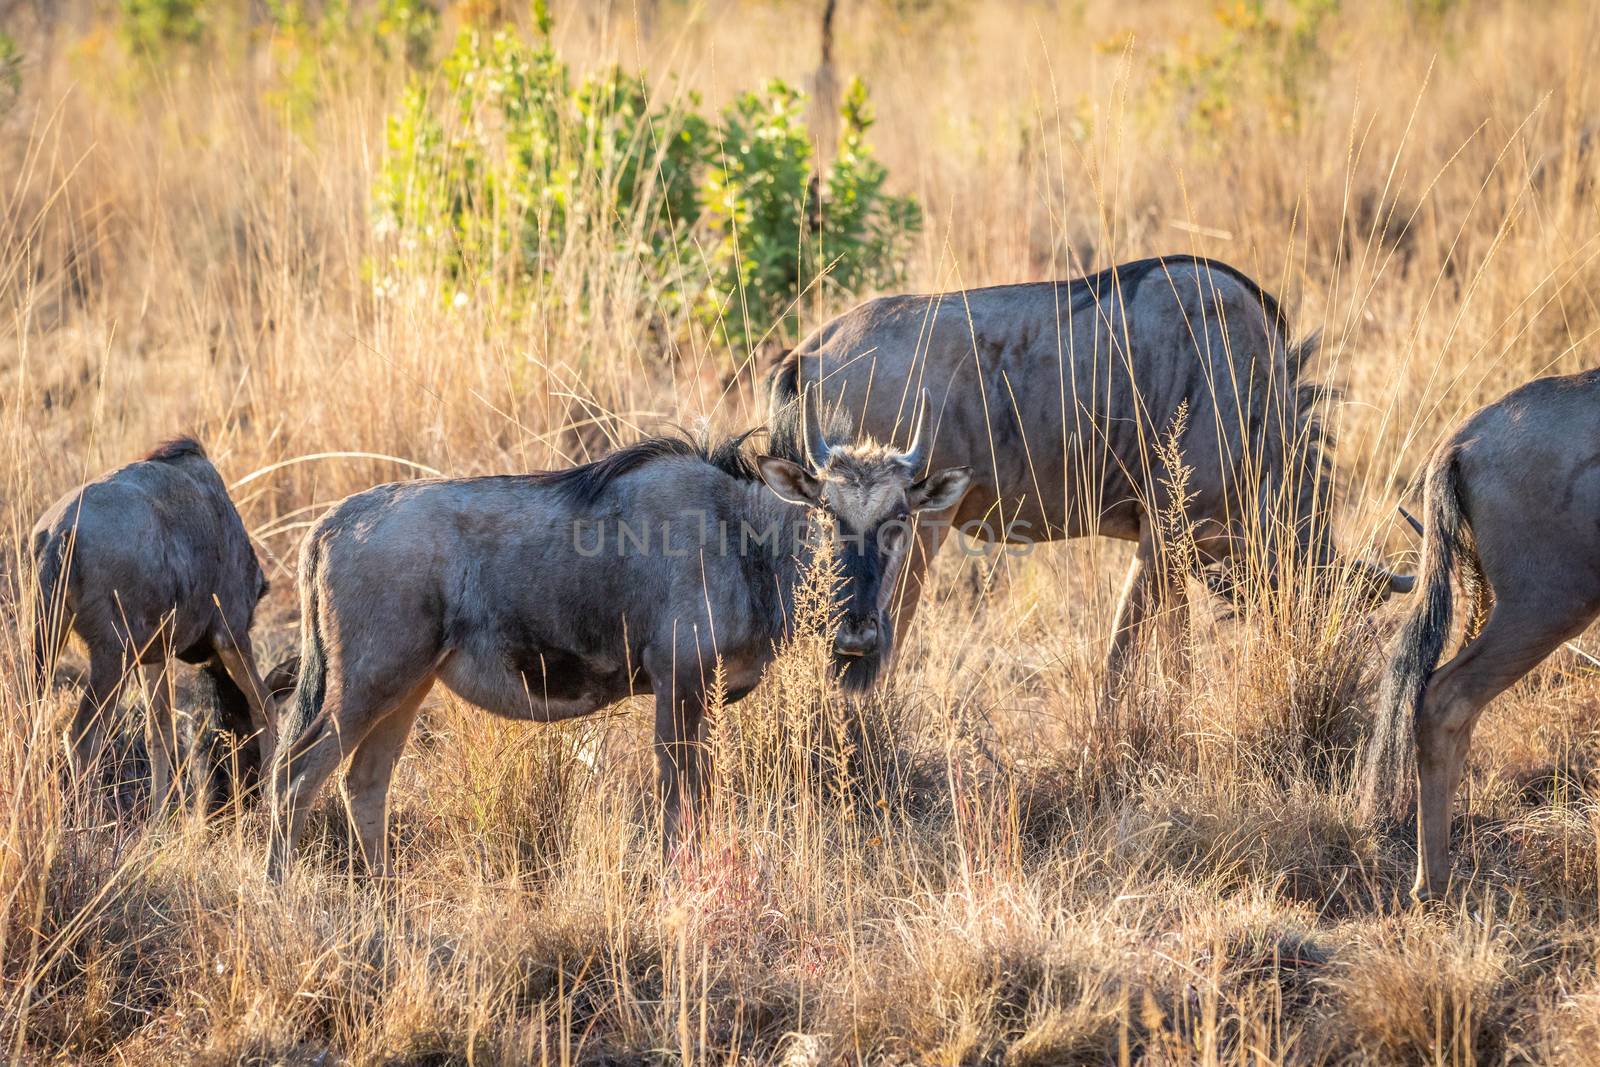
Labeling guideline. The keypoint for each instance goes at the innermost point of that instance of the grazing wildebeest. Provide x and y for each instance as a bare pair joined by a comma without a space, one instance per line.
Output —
148,561
1512,505
549,596
1056,394
231,762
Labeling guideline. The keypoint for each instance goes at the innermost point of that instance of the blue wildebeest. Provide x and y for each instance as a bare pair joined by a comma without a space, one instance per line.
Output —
230,761
146,562
549,596
1512,506
1056,394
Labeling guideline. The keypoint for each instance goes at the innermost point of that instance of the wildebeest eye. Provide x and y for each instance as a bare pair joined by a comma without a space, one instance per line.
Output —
892,535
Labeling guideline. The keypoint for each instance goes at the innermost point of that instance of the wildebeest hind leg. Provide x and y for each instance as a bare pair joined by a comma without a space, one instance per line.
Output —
350,711
1513,642
238,658
371,769
161,740
107,673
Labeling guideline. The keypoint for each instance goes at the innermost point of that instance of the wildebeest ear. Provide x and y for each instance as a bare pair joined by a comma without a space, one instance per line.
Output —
790,481
940,490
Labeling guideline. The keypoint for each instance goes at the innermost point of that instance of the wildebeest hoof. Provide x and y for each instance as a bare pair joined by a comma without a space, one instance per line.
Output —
1426,900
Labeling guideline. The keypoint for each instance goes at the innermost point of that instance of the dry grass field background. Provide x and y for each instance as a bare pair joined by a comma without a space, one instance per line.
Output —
965,869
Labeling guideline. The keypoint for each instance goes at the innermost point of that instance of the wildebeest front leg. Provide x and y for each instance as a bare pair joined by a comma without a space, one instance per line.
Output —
1140,600
681,757
238,658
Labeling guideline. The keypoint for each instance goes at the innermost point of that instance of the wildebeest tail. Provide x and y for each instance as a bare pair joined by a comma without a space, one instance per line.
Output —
1389,762
1302,354
310,688
49,622
783,385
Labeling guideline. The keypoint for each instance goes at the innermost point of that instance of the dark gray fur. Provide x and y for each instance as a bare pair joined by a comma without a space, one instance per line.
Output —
146,562
1512,510
519,593
1057,393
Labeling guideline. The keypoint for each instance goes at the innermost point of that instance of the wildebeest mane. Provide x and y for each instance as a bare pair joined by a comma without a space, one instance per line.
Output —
732,454
586,482
174,449
783,382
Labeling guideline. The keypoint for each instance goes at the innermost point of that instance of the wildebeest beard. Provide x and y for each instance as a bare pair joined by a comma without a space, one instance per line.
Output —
857,674
860,571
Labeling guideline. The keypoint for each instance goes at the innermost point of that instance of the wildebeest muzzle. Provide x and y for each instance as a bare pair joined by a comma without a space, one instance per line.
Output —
857,636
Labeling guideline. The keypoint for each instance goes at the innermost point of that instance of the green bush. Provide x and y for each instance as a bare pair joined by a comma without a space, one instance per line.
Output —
408,26
316,48
498,163
151,27
647,156
761,205
501,162
780,229
866,231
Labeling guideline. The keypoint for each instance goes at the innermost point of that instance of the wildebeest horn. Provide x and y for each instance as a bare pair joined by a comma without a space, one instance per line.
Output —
1385,580
917,454
1412,519
816,441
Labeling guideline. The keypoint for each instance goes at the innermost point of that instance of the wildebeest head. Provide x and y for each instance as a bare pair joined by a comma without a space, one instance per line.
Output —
1365,584
1375,583
1371,584
1293,539
872,493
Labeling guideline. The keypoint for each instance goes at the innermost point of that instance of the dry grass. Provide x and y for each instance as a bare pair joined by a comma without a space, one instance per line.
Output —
960,870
